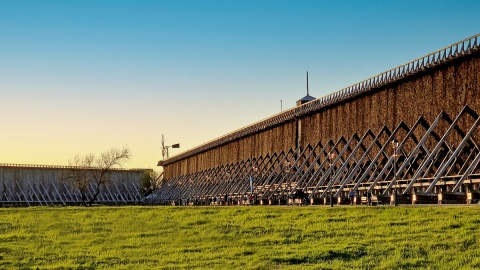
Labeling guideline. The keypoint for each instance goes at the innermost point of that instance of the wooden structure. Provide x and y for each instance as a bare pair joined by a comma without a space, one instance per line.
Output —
42,185
342,141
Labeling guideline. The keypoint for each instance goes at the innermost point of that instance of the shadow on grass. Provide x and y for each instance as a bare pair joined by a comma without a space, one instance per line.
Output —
350,253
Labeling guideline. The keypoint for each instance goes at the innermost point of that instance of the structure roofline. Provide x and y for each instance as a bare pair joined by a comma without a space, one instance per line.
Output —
459,49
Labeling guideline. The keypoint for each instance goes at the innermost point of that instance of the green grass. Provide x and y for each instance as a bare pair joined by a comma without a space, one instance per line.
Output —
240,238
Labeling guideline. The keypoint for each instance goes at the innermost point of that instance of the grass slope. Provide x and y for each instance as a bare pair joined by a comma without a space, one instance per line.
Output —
240,238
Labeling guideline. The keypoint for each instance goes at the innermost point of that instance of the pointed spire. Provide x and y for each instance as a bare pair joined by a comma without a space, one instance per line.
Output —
306,98
307,84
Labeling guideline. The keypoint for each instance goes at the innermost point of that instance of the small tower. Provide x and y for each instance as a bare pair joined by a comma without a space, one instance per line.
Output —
306,98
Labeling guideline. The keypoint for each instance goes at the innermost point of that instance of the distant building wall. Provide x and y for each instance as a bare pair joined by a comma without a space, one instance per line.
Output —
37,184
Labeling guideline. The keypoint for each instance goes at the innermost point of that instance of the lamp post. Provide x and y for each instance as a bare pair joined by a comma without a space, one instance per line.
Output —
228,187
252,178
395,147
331,156
254,174
165,147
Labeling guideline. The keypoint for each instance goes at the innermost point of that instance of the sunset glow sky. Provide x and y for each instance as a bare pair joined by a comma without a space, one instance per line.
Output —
80,77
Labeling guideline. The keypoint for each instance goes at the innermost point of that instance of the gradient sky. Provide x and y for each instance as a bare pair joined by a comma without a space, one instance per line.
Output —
80,77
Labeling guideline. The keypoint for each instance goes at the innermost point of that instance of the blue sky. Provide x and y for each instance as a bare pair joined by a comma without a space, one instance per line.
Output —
79,77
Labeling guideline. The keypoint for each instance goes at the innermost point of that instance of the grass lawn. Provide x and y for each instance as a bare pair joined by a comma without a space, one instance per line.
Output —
259,237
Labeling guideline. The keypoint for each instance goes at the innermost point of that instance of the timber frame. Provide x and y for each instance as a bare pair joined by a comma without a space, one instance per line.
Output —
429,105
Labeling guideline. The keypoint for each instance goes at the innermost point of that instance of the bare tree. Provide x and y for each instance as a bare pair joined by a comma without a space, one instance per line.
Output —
151,180
90,172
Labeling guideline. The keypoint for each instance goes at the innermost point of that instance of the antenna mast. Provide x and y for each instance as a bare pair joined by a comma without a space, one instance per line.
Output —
307,84
163,148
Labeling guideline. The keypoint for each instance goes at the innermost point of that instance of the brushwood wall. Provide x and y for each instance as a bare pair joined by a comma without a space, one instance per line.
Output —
447,88
444,85
44,184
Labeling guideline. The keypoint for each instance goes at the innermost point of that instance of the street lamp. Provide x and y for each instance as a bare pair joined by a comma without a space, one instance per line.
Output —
395,147
254,174
229,182
165,147
331,156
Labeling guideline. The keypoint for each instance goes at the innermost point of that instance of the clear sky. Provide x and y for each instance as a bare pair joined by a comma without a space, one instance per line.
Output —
81,76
